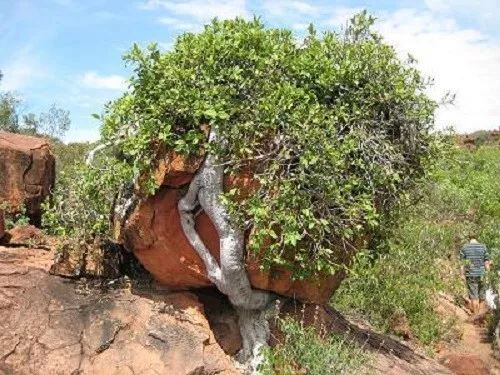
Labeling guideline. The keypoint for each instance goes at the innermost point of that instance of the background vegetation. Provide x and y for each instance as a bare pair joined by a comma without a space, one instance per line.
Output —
420,256
415,260
15,118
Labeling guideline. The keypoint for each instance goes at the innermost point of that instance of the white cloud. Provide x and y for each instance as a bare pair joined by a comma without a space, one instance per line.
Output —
95,81
300,26
166,46
484,11
463,61
200,10
17,75
339,16
284,7
437,5
176,23
22,70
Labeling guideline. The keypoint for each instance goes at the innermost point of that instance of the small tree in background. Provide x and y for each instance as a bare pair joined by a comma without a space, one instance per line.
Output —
13,118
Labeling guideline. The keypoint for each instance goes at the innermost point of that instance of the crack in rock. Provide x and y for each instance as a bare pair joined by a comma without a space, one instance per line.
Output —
111,340
12,350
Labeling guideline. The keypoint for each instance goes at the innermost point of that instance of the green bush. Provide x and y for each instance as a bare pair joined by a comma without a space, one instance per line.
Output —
421,256
335,129
84,198
314,352
14,218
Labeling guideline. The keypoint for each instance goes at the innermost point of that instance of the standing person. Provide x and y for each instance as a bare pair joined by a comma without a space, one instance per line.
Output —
476,263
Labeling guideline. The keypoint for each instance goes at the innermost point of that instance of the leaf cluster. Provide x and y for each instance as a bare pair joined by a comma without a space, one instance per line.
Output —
84,196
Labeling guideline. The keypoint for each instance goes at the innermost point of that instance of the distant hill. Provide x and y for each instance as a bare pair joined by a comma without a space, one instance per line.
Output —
479,138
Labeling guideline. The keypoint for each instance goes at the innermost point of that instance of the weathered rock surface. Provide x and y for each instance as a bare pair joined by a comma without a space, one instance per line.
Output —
24,234
27,173
153,232
2,224
48,326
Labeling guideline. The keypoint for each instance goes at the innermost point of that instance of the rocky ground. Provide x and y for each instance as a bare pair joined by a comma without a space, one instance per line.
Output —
51,325
55,325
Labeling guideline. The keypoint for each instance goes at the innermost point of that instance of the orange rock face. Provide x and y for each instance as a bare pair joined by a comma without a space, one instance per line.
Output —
25,234
27,173
155,235
153,232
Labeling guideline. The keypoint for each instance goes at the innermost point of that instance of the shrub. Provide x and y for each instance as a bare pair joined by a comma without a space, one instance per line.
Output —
69,154
83,200
14,217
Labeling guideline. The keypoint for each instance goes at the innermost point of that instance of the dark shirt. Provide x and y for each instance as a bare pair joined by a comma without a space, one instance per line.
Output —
475,254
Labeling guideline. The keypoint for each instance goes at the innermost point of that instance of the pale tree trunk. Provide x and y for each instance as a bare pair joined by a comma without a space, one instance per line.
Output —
229,276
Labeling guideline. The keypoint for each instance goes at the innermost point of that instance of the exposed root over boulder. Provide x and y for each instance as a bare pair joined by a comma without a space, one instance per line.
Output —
230,275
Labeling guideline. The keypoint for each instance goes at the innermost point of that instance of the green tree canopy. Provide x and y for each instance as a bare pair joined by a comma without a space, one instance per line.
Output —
335,127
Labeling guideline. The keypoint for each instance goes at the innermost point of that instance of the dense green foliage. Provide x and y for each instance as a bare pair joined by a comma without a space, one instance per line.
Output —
82,203
421,256
307,351
335,129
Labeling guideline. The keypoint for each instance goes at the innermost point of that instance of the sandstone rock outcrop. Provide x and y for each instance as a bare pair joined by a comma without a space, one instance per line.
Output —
27,173
153,232
49,325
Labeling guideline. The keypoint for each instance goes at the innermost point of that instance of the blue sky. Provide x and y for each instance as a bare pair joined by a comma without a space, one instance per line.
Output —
69,51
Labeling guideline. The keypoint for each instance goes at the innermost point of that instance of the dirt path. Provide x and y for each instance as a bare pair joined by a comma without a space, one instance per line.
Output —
475,341
473,353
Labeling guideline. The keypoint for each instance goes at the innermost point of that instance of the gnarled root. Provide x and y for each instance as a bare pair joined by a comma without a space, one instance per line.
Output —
255,333
230,276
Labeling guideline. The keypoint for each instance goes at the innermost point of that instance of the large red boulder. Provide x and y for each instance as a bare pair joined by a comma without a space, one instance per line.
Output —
27,173
153,232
